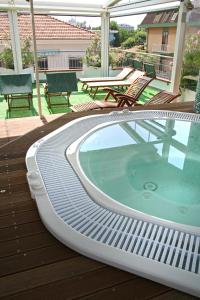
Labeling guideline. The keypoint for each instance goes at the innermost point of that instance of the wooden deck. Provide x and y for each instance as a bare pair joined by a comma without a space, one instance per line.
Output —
33,264
10,129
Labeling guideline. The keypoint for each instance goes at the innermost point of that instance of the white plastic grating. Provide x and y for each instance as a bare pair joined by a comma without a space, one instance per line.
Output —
74,206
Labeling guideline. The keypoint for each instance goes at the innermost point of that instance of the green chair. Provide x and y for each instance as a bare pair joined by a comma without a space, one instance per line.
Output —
17,87
60,84
138,65
150,70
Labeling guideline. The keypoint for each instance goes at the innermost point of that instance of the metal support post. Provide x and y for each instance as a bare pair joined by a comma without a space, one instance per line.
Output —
15,41
105,28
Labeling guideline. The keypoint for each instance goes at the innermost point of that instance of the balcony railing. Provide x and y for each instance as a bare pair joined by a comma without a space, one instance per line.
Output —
163,48
163,64
56,60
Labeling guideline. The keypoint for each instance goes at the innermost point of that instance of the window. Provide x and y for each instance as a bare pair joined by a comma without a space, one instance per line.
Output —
75,63
43,63
165,35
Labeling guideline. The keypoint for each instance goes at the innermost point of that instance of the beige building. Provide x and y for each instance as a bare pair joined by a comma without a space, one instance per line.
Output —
60,45
161,37
161,31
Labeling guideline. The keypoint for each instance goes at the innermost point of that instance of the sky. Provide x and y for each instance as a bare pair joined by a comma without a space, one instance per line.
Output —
96,21
134,20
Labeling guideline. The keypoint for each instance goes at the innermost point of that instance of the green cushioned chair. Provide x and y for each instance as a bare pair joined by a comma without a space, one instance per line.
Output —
138,65
150,70
60,84
17,87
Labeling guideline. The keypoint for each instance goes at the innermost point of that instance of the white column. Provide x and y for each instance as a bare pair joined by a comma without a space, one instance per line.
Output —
105,29
36,59
15,40
179,48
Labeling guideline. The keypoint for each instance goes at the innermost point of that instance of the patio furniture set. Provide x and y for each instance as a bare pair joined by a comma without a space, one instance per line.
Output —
135,80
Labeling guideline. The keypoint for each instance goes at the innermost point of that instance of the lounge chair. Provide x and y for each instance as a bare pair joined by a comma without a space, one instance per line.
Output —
121,76
160,98
17,87
127,101
134,91
95,86
60,84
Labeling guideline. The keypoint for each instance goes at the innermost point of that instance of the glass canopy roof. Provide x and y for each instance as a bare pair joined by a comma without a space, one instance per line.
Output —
90,7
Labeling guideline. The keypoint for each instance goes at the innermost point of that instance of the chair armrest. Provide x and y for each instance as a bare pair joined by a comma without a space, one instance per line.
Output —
110,90
125,97
137,104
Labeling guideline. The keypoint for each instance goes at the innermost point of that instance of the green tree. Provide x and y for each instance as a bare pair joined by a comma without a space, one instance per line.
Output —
191,60
27,54
114,25
140,36
124,34
6,56
129,43
93,53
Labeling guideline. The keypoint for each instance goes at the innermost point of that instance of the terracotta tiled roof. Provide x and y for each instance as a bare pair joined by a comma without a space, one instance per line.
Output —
47,28
155,18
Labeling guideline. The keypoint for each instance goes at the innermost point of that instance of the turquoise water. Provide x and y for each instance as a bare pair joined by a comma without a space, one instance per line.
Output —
152,166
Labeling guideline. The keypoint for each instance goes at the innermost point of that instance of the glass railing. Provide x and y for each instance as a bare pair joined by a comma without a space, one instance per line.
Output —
121,58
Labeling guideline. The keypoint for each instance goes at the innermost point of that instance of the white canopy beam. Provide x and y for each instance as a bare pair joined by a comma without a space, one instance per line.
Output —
105,28
179,48
111,3
140,4
141,11
15,41
35,59
53,6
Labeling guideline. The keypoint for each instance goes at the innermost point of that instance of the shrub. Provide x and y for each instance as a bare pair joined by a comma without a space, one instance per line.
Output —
129,43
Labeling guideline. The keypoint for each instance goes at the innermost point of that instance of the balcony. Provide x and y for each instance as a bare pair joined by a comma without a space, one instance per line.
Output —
163,49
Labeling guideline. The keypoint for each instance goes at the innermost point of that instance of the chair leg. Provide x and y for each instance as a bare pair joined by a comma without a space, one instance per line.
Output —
9,100
90,91
111,93
30,101
48,101
45,90
96,90
68,95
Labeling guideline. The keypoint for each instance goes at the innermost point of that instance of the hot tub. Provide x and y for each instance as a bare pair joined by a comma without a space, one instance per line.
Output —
123,188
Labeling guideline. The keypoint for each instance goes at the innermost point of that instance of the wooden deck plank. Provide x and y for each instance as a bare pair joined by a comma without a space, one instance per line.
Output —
22,230
9,199
14,188
18,218
17,176
24,244
10,208
175,295
87,276
143,289
52,273
35,258
12,164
